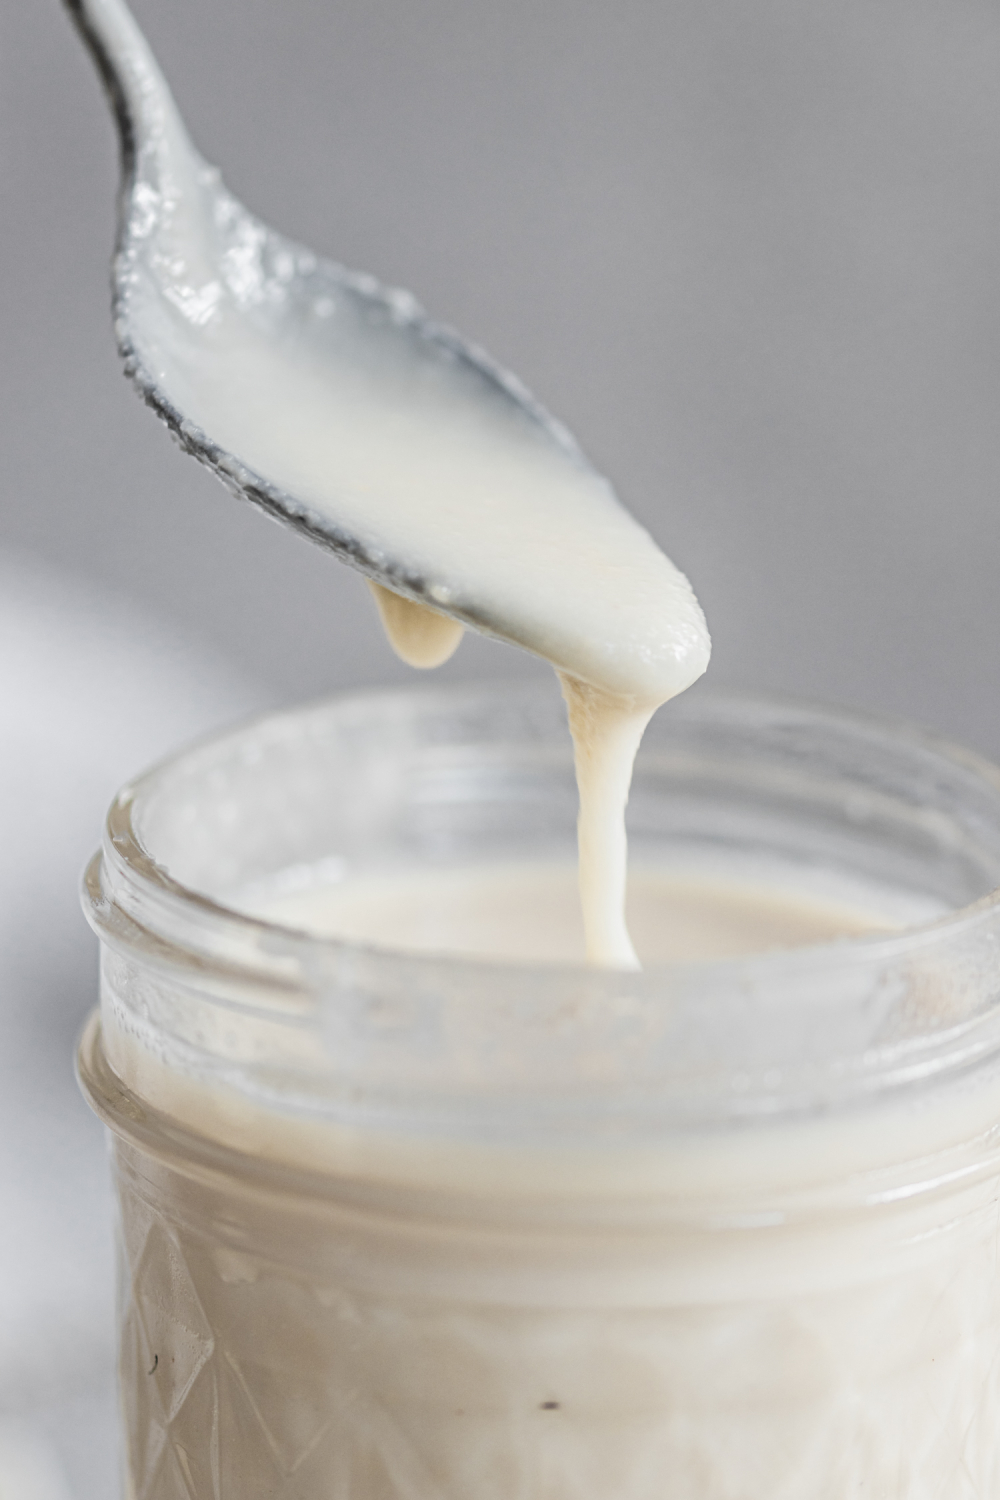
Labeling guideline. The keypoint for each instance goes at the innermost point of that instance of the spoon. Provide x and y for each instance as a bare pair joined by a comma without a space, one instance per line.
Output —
339,407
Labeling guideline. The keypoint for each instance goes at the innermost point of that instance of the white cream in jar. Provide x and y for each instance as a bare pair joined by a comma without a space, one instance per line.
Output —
421,1226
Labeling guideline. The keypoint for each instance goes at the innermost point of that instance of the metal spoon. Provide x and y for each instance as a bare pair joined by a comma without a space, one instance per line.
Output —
165,272
339,407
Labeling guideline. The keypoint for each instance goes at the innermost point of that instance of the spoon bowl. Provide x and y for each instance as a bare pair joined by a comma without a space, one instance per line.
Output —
338,406
206,296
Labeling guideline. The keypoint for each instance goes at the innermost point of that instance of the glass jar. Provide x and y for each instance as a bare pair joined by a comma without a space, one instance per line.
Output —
403,1226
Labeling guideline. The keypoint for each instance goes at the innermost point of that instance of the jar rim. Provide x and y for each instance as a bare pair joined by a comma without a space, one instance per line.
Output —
123,847
868,1025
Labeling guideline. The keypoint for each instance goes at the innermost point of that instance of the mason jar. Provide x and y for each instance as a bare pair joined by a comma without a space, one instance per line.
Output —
409,1226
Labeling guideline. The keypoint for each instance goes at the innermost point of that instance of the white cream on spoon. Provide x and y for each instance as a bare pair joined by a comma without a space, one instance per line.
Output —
339,407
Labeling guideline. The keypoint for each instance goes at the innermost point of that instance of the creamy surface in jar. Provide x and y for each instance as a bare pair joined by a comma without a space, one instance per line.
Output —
530,913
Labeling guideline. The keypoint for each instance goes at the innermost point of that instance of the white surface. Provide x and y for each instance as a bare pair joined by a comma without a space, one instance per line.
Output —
29,1468
90,691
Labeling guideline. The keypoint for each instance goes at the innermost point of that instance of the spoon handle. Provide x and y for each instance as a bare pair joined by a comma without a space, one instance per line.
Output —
150,128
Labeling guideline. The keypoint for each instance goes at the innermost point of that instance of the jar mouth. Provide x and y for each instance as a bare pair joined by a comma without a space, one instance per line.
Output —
187,910
875,1003
123,849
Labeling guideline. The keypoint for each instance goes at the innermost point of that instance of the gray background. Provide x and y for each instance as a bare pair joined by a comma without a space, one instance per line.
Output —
749,252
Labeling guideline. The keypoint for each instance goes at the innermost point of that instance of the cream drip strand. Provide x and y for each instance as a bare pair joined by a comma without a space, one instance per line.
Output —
606,731
419,636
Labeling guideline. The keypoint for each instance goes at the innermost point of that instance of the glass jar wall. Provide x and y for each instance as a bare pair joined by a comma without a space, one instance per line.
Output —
396,1224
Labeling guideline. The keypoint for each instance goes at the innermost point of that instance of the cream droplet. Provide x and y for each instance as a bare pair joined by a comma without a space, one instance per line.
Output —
420,636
